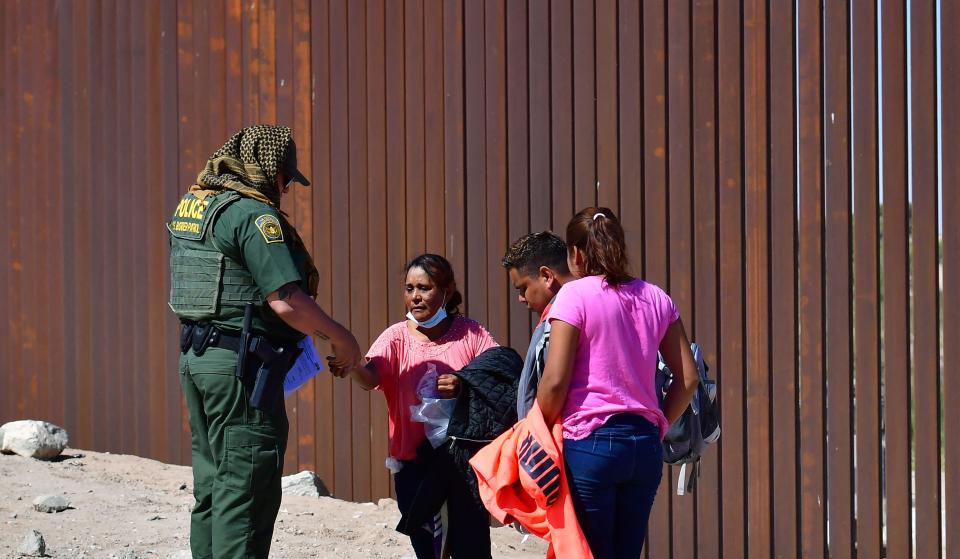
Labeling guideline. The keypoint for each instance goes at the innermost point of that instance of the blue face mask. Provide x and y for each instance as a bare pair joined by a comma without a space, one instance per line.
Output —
437,317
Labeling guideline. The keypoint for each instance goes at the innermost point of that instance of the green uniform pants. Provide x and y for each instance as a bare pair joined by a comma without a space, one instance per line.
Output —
237,459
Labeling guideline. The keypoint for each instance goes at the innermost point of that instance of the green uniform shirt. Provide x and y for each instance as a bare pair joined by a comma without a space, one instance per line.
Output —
248,232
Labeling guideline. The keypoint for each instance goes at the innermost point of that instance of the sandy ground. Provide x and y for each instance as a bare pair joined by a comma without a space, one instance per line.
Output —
130,507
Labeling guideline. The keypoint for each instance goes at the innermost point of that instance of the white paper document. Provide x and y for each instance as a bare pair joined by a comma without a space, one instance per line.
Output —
305,368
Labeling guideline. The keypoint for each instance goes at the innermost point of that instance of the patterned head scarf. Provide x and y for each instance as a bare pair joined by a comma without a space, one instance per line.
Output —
249,163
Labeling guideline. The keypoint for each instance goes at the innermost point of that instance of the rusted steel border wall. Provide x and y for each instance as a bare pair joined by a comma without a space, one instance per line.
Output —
777,166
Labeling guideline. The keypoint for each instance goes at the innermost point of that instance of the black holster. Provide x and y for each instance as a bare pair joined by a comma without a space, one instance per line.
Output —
274,361
186,335
261,365
198,336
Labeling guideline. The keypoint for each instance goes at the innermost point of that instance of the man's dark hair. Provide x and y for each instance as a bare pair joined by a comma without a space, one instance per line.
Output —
529,252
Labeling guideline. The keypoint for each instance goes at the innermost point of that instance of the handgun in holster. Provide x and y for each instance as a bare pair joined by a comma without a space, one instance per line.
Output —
272,363
275,362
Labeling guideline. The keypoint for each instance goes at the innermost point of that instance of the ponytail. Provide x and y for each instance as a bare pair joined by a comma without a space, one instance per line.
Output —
599,236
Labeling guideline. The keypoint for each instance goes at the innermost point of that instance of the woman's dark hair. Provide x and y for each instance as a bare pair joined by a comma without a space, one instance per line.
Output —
441,272
599,236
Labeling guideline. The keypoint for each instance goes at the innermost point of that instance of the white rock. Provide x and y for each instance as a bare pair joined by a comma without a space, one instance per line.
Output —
51,503
182,554
33,545
33,439
304,484
386,503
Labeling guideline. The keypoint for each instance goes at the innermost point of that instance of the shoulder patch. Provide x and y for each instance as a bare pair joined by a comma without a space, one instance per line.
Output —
269,227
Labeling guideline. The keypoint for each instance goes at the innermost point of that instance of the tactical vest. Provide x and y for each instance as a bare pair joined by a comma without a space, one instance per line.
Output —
205,284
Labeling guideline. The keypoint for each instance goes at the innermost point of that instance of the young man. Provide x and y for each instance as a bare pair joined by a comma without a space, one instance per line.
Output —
537,264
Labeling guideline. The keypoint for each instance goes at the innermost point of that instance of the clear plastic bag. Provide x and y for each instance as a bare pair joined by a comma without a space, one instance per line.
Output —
393,464
433,411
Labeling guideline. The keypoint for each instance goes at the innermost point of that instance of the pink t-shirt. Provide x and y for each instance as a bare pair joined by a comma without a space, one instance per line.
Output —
401,361
614,370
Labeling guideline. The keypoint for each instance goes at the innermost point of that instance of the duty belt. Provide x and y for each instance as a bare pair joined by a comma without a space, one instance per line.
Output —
260,364
200,336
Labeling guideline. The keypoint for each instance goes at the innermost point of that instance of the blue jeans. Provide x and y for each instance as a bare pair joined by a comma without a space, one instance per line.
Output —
613,475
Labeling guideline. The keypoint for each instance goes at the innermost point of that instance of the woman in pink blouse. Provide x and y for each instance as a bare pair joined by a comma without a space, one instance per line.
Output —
599,382
434,337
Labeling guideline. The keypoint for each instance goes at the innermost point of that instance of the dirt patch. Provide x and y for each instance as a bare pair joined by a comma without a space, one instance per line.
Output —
130,507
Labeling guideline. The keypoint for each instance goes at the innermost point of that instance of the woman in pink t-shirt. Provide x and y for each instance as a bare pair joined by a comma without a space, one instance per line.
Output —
435,337
599,381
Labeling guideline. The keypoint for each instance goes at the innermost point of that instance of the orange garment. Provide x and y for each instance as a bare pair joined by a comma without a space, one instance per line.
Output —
521,478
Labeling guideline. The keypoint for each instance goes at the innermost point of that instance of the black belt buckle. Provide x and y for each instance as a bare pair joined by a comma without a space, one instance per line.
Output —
201,338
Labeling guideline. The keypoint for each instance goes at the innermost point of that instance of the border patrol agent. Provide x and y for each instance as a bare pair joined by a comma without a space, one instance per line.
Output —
243,286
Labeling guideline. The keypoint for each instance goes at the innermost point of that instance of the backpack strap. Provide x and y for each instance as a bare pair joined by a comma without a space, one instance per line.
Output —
681,479
687,484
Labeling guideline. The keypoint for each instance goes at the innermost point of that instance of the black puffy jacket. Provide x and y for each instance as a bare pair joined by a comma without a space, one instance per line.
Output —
487,403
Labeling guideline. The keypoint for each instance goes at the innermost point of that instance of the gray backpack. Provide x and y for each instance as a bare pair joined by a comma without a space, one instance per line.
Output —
698,427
